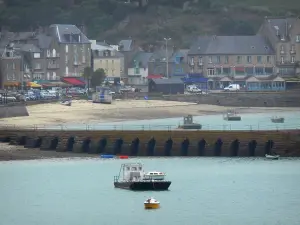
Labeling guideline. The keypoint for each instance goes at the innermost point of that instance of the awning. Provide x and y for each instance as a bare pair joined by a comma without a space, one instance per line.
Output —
195,80
73,81
153,76
33,85
56,84
11,83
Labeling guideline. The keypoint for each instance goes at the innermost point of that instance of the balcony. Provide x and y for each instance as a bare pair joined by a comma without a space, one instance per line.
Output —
293,52
51,56
37,68
200,63
287,63
282,52
53,66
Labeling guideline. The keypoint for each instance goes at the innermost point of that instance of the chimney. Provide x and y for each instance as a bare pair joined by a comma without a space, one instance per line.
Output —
286,29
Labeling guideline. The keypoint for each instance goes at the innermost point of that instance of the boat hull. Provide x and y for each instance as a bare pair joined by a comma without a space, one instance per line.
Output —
151,205
272,157
144,185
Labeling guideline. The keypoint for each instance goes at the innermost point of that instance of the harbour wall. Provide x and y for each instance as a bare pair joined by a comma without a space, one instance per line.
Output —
286,143
234,99
13,110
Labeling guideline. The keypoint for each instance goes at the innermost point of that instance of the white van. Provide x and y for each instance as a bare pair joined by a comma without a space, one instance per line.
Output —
232,87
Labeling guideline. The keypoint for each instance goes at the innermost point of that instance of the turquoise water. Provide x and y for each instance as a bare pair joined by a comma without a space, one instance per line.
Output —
258,121
208,191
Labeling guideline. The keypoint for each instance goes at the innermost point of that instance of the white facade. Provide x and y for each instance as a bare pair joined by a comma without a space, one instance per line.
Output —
137,76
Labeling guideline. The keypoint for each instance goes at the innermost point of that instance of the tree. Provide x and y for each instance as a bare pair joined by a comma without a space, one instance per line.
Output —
87,75
97,77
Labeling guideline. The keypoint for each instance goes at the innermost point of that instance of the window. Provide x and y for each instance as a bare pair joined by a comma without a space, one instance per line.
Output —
259,59
7,77
67,48
136,70
210,71
293,59
293,48
218,59
210,59
239,59
282,48
37,66
226,59
67,70
249,59
13,66
268,59
37,76
259,70
83,59
298,38
282,59
112,72
67,59
54,75
13,76
200,60
192,61
48,76
36,55
218,71
48,53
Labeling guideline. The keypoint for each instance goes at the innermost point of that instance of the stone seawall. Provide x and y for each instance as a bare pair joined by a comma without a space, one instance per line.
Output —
286,143
13,110
245,99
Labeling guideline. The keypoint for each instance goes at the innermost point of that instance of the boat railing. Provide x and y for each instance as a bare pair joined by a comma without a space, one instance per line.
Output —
116,178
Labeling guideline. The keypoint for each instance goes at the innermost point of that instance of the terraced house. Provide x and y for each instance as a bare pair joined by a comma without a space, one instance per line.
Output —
261,62
50,53
284,36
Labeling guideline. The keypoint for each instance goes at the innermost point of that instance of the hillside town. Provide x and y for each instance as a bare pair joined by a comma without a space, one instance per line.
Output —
56,56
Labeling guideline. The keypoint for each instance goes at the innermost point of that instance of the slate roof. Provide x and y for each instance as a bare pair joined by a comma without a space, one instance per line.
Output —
283,25
29,48
143,59
168,81
231,45
126,45
60,30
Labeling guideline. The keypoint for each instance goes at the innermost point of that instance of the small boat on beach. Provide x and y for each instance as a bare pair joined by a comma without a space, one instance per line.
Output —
277,119
231,115
272,157
151,203
66,102
133,177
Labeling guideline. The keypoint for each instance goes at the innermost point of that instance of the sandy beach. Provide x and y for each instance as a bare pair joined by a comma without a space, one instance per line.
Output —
86,112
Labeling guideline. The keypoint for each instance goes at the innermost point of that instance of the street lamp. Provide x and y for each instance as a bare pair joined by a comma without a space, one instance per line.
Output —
167,57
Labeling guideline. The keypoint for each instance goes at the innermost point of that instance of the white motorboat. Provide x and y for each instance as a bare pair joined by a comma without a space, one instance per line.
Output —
273,157
154,175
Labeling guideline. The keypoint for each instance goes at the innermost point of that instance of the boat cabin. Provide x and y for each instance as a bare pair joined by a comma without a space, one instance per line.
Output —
132,171
154,176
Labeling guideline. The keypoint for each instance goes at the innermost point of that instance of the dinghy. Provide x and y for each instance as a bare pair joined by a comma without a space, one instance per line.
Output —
273,157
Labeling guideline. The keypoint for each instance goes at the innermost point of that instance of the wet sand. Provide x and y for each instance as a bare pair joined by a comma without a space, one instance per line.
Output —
12,152
87,112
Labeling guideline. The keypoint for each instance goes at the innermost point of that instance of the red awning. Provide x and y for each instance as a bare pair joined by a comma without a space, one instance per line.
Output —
153,76
73,81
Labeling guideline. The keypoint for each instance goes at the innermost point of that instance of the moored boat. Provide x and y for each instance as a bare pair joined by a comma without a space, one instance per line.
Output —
273,157
133,177
232,115
277,120
151,203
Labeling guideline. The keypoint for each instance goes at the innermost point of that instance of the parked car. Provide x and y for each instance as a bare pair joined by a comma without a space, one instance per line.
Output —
232,87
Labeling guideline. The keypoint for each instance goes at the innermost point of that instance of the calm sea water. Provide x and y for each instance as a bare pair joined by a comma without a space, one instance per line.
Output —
258,121
208,191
